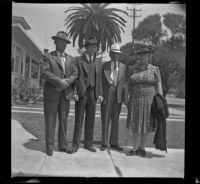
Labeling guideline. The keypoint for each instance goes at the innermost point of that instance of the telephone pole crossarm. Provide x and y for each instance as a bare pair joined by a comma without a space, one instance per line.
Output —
134,10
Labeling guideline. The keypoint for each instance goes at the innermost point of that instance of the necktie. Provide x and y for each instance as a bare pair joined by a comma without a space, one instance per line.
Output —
115,73
90,59
115,65
63,62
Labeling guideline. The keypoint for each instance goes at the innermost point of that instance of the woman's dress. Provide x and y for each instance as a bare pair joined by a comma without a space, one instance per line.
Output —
144,83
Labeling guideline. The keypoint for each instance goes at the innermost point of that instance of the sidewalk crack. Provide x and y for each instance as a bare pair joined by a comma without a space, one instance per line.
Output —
117,169
41,165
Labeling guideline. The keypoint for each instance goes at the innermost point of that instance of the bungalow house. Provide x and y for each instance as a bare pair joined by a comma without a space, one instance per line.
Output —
26,55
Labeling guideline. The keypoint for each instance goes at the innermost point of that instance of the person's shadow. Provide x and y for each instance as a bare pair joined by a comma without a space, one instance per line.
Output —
151,155
39,145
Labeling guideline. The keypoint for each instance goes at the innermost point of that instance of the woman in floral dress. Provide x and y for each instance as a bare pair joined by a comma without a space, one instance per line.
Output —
144,83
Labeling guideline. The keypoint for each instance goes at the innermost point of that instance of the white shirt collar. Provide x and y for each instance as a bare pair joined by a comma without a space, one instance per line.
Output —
88,57
112,63
60,54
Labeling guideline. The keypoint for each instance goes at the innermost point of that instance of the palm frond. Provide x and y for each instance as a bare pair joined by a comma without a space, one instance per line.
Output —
73,9
104,5
110,13
95,19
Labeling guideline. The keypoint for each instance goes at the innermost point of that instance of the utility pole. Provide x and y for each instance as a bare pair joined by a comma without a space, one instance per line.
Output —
134,15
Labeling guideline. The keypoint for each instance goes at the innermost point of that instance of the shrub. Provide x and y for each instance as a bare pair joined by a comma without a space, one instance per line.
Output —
24,93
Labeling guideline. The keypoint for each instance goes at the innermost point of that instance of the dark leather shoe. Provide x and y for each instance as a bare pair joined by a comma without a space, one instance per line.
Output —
67,150
116,147
74,149
90,148
133,152
103,147
50,153
142,153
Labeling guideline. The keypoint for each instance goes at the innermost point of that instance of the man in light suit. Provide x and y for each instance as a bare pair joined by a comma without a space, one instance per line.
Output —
113,82
59,72
89,91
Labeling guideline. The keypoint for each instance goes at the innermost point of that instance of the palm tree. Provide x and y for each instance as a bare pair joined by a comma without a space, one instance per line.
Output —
95,20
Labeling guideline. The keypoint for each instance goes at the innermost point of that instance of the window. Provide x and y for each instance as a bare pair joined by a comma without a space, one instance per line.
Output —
22,68
17,63
18,60
12,57
34,69
27,66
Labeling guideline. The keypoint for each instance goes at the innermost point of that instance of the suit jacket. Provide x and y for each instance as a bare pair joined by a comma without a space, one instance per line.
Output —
106,82
52,72
159,113
83,81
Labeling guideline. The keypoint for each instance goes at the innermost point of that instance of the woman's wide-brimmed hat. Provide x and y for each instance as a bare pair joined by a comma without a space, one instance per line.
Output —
91,41
144,48
61,35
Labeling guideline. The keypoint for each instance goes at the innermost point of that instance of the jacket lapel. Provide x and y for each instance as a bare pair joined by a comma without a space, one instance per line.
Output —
68,61
56,58
107,70
84,64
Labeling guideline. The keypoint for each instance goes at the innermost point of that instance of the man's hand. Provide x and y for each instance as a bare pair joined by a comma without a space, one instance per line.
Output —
126,100
132,77
126,105
64,84
75,97
58,89
100,99
111,82
128,126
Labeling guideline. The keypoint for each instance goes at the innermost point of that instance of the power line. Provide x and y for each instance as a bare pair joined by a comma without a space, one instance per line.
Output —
134,15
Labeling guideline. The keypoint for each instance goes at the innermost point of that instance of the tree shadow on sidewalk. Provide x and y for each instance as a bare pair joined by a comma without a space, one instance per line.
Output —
35,144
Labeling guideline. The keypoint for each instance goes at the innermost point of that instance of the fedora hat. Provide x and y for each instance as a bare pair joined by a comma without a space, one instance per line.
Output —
91,41
61,35
115,48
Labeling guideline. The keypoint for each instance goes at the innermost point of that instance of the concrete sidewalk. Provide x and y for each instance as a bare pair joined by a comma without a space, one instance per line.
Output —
29,159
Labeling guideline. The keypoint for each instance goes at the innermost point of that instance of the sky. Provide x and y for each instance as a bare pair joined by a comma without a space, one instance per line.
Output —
46,20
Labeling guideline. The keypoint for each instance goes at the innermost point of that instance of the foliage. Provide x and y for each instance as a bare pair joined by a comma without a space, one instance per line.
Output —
176,24
164,58
172,68
170,53
149,30
95,20
24,93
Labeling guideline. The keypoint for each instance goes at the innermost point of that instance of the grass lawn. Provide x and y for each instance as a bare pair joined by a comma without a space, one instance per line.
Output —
34,123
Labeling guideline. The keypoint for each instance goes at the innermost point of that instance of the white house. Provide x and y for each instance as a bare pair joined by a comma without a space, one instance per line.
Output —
26,55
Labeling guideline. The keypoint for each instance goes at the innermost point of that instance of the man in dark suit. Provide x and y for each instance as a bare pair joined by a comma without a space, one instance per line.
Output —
113,82
89,90
59,73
